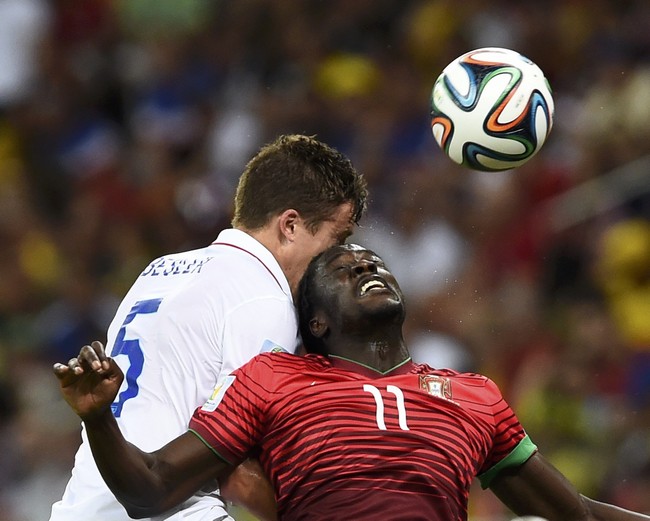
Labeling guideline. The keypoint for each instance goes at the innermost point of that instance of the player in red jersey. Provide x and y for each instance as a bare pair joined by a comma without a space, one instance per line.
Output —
354,430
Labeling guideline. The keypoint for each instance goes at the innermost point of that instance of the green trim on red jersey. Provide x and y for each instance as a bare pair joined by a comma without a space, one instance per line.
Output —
212,449
520,454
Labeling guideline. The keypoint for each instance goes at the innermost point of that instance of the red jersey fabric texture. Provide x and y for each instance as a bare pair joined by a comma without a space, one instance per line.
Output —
341,441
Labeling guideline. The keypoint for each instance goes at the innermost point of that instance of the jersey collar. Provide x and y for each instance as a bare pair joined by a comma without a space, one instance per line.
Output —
242,241
350,365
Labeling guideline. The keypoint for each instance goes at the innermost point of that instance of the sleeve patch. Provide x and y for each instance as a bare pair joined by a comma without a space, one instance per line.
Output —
218,393
271,347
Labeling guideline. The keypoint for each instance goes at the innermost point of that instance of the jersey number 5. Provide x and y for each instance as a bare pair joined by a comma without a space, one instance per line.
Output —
379,401
132,349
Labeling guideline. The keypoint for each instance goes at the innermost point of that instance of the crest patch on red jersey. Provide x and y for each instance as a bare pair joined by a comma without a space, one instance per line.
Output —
438,386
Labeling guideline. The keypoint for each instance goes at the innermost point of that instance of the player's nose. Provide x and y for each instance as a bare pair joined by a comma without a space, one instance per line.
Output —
364,266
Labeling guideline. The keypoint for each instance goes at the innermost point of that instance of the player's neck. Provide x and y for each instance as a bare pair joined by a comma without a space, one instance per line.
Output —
380,351
372,372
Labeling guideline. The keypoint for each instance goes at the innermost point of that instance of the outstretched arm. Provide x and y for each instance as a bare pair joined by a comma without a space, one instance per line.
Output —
537,488
145,483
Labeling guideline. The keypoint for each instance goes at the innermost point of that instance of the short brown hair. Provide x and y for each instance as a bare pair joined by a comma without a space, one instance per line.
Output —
298,172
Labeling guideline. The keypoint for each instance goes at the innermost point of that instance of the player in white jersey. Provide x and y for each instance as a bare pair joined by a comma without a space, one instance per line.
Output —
191,317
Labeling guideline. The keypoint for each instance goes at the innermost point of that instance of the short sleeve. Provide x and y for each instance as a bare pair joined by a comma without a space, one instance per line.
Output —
232,421
510,445
519,455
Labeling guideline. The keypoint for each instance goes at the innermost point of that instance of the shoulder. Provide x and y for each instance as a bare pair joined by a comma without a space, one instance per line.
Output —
271,370
239,272
480,387
234,280
275,362
471,379
471,388
181,263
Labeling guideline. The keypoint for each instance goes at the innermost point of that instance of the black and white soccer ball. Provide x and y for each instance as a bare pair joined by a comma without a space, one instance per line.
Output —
491,109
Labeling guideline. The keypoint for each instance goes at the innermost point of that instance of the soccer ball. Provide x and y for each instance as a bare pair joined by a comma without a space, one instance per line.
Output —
491,109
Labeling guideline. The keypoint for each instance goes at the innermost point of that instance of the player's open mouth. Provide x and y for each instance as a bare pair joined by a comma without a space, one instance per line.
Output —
372,285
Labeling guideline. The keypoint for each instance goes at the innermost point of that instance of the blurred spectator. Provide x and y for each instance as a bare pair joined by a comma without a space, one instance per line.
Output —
23,26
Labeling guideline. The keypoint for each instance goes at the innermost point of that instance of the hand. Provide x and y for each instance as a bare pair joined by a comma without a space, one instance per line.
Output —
90,382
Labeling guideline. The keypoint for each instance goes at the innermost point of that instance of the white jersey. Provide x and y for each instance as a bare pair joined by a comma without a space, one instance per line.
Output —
188,319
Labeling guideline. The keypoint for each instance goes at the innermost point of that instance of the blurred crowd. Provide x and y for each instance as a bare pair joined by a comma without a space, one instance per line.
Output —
125,124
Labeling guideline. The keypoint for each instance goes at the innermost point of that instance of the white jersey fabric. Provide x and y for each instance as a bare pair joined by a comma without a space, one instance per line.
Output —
188,319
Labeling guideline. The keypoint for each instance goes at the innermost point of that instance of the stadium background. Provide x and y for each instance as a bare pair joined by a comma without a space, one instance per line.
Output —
123,128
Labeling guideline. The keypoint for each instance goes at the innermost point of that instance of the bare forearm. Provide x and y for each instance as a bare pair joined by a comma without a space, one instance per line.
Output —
537,488
605,512
150,483
127,470
145,484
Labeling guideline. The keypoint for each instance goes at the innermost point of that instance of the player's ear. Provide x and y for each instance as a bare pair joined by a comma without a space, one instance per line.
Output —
318,326
288,222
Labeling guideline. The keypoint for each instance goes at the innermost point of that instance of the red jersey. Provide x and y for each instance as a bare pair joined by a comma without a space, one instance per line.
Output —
341,441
